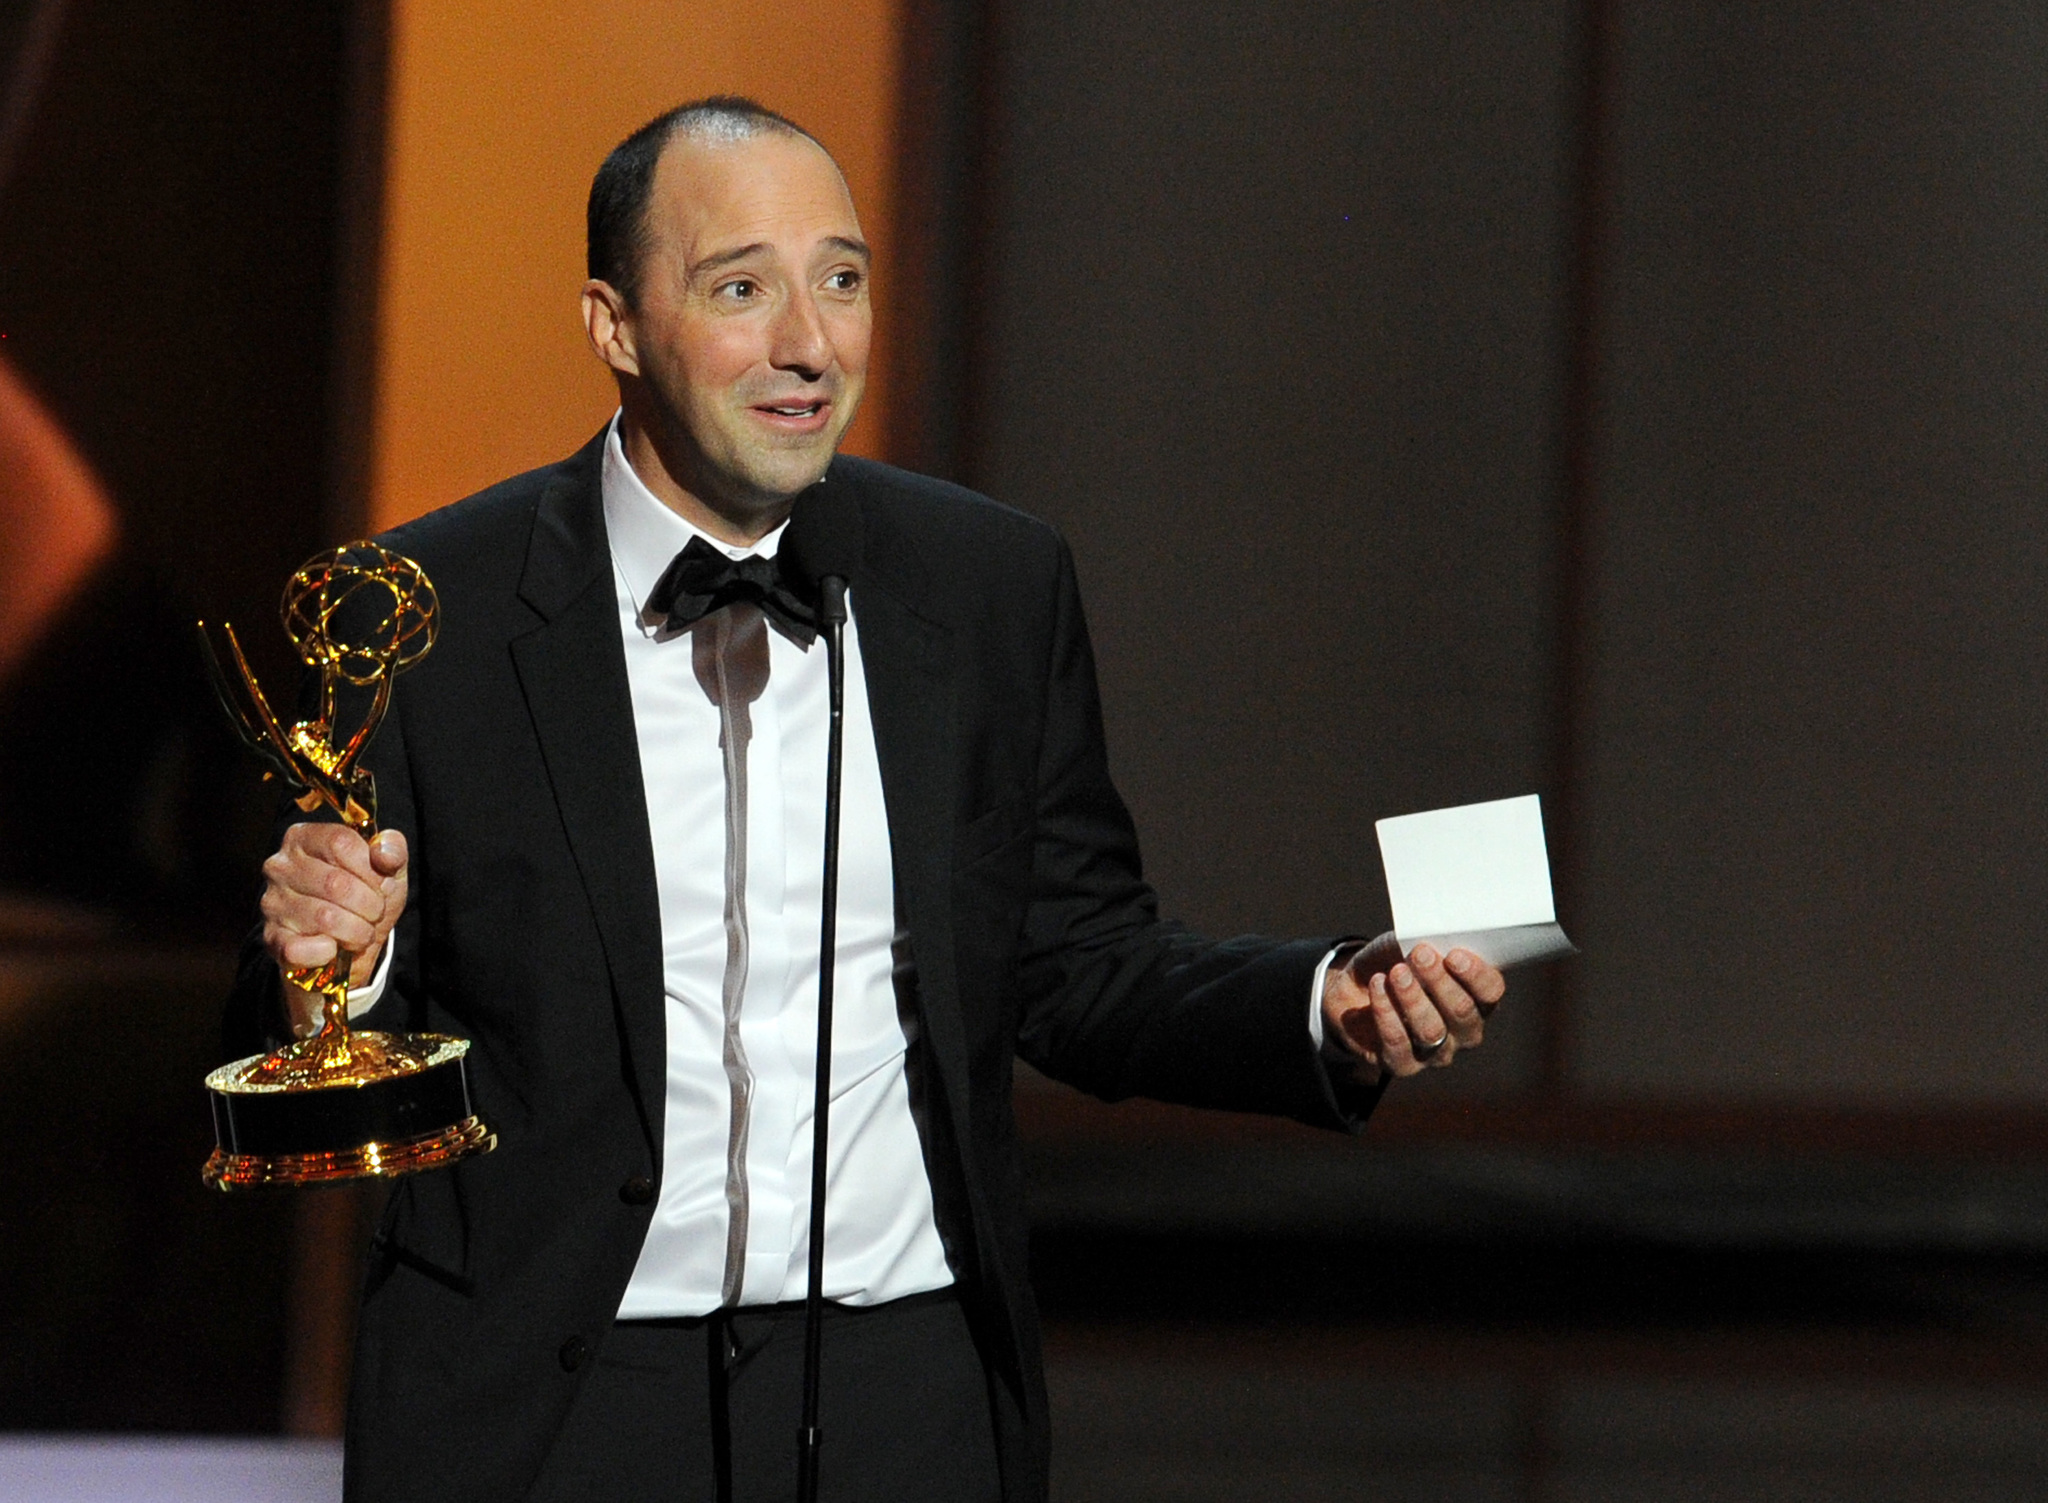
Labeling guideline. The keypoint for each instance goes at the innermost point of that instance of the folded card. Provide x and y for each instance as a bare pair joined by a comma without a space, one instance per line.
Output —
1475,877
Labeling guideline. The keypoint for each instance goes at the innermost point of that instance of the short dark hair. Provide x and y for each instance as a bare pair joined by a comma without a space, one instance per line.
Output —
617,216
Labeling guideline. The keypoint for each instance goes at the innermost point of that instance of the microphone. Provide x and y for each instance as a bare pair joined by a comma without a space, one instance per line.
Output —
821,549
823,542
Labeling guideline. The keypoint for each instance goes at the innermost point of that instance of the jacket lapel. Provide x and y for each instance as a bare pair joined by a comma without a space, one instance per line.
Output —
907,659
572,669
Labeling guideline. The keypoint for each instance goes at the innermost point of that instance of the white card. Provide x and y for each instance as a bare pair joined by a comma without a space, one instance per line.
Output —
1475,877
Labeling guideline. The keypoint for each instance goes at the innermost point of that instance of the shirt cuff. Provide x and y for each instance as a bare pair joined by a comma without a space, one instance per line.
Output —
1315,998
362,998
1333,1049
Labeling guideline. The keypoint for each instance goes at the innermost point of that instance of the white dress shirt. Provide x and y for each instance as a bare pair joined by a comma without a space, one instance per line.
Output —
731,1222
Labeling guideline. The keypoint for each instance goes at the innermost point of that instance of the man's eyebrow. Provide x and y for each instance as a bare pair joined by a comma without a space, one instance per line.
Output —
724,259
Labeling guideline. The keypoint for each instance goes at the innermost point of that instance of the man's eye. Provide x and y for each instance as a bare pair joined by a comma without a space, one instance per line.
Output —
843,281
740,291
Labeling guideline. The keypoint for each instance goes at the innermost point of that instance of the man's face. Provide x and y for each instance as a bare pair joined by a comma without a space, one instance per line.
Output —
751,326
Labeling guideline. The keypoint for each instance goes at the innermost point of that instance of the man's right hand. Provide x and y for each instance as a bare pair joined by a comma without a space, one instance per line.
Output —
326,888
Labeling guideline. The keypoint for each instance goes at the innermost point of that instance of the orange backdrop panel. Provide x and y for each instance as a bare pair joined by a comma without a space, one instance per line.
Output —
499,114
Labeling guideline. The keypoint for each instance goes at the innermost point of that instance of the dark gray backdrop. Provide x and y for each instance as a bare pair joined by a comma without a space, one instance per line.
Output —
1279,326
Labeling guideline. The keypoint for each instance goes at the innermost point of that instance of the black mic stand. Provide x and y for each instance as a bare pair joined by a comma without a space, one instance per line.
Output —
832,621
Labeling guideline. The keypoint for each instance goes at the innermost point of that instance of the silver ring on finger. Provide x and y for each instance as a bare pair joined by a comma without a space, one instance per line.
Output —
1430,1050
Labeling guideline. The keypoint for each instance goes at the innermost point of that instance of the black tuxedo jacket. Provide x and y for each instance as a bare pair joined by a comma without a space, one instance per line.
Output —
510,762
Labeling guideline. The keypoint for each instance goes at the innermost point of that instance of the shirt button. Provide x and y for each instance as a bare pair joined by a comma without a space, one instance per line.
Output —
637,1191
573,1353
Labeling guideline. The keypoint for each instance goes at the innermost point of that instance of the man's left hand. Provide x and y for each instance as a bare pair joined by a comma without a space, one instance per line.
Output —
1402,1015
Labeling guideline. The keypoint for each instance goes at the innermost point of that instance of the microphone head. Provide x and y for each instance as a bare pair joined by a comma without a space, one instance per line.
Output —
823,540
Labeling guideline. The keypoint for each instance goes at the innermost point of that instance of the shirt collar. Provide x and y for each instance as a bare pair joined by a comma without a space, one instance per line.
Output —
645,534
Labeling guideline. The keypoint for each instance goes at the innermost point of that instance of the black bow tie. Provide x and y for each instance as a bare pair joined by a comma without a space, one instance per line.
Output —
701,580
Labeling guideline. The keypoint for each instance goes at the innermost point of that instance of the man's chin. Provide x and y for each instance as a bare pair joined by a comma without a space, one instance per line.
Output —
764,491
782,472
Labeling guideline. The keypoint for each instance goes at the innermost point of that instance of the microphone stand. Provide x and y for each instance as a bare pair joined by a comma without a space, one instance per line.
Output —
832,620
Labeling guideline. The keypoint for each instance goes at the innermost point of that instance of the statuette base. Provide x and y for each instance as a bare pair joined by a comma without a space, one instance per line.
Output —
343,1105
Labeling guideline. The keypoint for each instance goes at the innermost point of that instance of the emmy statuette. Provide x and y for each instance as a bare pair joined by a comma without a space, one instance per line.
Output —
341,1104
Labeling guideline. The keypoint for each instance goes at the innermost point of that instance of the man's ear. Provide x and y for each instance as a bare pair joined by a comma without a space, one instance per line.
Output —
608,322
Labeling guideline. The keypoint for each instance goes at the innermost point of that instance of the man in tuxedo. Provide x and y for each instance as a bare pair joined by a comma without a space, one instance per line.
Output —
601,798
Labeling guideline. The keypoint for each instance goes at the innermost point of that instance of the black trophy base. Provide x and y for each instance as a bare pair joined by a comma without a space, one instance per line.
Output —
364,1125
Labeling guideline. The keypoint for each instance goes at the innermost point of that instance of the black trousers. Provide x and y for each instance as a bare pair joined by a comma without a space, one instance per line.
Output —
706,1410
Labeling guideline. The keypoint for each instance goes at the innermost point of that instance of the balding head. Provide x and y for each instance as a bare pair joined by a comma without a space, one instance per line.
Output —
618,232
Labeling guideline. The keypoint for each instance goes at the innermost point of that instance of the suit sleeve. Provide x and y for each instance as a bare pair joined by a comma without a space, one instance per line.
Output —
1117,1001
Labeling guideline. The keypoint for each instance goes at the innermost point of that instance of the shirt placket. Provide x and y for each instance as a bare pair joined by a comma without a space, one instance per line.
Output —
768,983
731,632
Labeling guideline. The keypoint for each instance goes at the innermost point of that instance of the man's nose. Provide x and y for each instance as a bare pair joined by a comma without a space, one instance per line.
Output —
801,340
